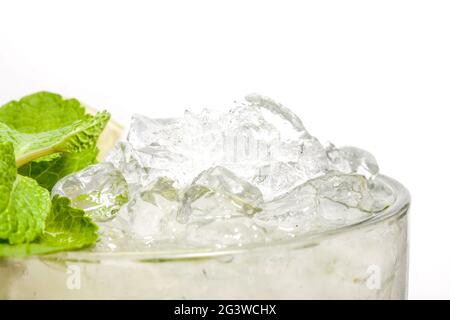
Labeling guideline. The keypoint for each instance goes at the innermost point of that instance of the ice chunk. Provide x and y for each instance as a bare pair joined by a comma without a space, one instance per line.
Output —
127,161
383,196
236,231
332,214
219,193
292,212
352,160
276,179
100,190
136,166
344,199
333,199
281,117
146,133
222,180
295,157
347,189
113,236
179,148
247,140
151,213
294,163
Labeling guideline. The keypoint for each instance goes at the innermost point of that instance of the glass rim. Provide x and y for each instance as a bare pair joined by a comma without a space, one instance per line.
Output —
398,209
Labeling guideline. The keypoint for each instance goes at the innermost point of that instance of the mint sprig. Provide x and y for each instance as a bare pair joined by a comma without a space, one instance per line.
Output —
24,205
44,137
42,114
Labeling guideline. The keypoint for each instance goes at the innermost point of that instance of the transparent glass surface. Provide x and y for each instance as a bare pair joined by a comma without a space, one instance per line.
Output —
368,260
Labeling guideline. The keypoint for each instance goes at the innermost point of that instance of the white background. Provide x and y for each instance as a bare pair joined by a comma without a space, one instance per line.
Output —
374,74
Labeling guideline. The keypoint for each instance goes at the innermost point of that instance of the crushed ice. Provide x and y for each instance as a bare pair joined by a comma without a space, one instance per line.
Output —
212,179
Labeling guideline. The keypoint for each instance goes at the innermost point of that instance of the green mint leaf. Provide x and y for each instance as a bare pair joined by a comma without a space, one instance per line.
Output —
41,112
48,170
44,137
66,228
45,123
24,205
79,136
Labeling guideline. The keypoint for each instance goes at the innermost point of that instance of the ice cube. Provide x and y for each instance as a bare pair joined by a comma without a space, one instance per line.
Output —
276,179
113,236
136,166
332,199
349,198
100,190
246,140
151,213
350,190
219,193
175,147
383,196
280,117
127,161
292,212
332,214
293,164
352,160
295,149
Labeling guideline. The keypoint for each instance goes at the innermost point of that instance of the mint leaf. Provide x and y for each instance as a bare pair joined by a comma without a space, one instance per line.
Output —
66,228
38,122
48,170
79,136
41,112
24,205
46,137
